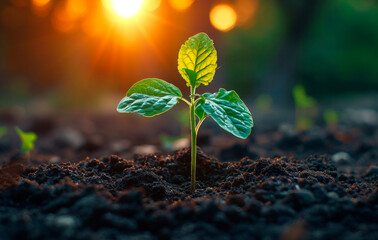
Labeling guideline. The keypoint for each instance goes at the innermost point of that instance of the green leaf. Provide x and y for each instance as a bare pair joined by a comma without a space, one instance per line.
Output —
200,113
150,97
228,111
192,76
199,55
27,140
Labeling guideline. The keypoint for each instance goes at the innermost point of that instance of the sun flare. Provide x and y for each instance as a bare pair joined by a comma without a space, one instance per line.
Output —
125,8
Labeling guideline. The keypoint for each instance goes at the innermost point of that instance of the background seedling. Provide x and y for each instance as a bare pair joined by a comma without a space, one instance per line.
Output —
305,108
331,117
3,131
27,141
197,62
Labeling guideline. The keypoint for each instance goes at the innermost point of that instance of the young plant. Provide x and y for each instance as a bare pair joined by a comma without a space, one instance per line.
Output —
3,131
197,62
305,108
27,140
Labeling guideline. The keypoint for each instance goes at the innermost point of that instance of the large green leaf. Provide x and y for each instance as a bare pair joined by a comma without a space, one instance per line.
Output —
228,111
199,55
150,97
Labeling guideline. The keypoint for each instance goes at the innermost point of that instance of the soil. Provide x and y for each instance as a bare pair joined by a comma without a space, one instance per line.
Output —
91,176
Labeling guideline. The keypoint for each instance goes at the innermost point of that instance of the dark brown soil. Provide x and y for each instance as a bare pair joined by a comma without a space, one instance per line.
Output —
278,184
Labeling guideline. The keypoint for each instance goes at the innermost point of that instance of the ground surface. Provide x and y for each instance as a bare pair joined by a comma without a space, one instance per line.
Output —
107,177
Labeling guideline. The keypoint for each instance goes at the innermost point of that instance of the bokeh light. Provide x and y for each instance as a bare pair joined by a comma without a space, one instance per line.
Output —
223,17
41,7
76,8
181,5
40,3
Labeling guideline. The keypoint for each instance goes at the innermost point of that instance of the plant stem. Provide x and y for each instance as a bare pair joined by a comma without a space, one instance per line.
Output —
193,140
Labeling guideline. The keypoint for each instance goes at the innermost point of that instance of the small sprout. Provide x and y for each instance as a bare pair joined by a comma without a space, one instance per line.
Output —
330,117
169,142
27,140
305,108
197,62
3,131
301,98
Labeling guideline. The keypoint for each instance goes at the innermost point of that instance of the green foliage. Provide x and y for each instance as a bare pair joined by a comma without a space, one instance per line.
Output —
27,140
339,54
197,65
250,50
228,111
3,131
150,97
198,55
305,108
300,97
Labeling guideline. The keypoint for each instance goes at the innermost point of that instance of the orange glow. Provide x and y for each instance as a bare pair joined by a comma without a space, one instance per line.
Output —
246,11
40,3
20,3
12,17
123,8
181,5
223,17
41,7
93,26
62,20
152,5
76,8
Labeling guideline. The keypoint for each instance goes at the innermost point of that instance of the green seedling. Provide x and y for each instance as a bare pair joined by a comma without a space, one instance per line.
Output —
305,108
331,117
3,131
27,141
197,62
168,142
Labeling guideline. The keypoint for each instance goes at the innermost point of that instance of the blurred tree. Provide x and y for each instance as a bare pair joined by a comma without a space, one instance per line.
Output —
339,55
280,79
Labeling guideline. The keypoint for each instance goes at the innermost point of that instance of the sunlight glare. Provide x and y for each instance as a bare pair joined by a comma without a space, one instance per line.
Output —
126,8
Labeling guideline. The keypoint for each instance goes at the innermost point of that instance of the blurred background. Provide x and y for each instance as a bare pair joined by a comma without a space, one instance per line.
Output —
87,53
307,70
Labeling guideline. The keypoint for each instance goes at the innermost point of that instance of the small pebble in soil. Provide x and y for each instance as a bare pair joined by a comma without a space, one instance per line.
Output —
341,158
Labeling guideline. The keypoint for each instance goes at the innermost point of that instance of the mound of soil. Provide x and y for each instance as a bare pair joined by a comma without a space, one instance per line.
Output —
278,184
149,197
